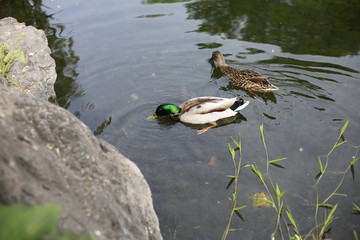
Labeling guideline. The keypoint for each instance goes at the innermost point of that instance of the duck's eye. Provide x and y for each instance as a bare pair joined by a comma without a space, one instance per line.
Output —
198,106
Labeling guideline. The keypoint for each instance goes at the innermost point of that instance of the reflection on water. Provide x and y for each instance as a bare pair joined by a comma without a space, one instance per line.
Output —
327,28
208,45
66,86
153,15
34,13
136,55
162,1
102,126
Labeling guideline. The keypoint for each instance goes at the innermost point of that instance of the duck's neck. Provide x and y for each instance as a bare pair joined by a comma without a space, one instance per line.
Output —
221,61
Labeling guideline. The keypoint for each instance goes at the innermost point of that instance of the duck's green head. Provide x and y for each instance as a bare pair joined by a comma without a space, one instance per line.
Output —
167,109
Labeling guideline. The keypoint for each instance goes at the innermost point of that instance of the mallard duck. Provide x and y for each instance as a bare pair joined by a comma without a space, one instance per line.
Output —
246,79
202,110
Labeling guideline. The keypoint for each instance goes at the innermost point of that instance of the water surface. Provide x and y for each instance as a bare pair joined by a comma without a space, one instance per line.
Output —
118,60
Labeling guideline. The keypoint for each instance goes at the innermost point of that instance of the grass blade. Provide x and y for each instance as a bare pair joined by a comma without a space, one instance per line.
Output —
279,194
342,131
339,144
293,222
277,160
328,221
356,236
258,173
325,205
356,208
343,128
262,133
231,151
237,143
320,166
354,161
238,208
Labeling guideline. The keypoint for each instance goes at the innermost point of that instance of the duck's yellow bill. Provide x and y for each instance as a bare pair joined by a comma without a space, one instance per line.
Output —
152,117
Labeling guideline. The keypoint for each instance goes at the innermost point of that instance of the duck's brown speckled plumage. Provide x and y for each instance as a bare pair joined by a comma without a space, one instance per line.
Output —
246,79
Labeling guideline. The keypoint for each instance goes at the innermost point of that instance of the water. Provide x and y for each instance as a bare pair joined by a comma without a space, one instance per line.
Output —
118,60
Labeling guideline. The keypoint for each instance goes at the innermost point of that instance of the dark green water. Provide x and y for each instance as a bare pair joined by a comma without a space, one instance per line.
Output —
117,60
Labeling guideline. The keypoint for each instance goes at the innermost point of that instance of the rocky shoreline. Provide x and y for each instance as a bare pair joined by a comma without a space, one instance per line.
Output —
48,156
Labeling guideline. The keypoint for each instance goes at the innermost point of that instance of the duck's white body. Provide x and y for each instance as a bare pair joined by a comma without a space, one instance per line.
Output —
203,110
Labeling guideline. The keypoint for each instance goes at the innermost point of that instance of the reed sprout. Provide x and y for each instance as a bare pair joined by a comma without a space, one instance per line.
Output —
286,226
234,179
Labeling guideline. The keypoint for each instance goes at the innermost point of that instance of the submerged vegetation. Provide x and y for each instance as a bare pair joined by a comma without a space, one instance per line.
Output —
287,226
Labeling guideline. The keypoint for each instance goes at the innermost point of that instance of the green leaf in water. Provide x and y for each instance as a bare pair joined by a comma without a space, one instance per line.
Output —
279,194
293,222
356,208
328,220
325,205
339,144
343,129
277,160
231,151
238,208
354,161
262,133
237,143
258,173
320,166
356,237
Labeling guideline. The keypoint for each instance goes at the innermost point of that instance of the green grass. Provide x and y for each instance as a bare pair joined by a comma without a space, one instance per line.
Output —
356,208
37,223
356,237
234,179
286,226
8,57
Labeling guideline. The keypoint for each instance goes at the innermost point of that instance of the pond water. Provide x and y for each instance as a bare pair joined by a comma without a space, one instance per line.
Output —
118,60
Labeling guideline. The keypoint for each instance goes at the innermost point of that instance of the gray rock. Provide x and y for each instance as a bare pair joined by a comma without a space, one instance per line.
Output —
37,75
48,156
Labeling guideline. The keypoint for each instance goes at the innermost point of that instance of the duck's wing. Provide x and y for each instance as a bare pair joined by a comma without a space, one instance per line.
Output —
242,74
264,83
203,105
259,79
237,73
210,109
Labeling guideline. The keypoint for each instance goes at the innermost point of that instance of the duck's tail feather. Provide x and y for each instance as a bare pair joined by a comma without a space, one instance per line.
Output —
272,88
239,104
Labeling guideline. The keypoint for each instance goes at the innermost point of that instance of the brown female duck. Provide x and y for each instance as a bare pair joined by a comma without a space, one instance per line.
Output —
246,79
